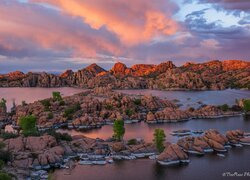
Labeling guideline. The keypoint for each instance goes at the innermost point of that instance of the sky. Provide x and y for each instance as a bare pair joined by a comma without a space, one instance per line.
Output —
54,35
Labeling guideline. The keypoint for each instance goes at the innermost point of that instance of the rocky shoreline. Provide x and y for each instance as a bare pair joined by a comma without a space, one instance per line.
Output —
33,157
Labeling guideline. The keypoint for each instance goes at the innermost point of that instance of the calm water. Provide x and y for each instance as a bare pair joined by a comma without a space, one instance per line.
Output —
32,94
209,167
192,98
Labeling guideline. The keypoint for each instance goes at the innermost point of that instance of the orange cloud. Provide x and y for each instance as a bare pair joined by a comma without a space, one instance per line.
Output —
133,21
26,25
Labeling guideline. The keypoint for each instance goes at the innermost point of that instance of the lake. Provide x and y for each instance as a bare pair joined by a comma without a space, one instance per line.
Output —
209,167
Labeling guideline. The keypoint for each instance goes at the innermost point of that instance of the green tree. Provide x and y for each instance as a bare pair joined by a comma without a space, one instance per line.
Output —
159,139
246,105
3,103
28,125
56,96
118,129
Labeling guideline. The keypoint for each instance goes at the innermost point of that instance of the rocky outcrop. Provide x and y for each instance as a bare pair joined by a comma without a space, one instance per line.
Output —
214,75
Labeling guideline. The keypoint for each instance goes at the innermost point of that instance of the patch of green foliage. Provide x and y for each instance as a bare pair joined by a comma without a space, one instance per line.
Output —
24,103
109,107
246,105
159,139
56,96
118,130
132,142
68,112
8,135
224,107
50,115
61,103
46,104
4,176
60,136
129,112
5,156
28,125
137,102
3,103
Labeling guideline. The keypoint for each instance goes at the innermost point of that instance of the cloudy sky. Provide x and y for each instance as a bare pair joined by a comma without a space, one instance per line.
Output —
54,35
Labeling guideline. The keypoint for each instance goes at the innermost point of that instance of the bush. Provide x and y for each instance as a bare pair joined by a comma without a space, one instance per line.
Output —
118,129
159,138
137,102
50,115
60,136
61,103
8,135
246,105
68,112
4,176
1,164
28,125
46,104
108,107
56,96
3,103
132,142
5,156
129,112
224,107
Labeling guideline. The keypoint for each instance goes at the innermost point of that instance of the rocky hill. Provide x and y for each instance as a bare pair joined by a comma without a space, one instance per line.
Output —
165,76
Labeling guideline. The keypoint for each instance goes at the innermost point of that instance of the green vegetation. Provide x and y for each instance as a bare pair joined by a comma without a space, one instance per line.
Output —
50,115
1,164
60,136
56,96
28,125
129,112
68,112
3,103
118,130
4,176
159,139
109,107
137,102
46,104
8,135
61,103
246,105
5,156
224,107
132,142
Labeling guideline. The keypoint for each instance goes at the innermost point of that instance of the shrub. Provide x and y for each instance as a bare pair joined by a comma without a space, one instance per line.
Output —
118,129
60,136
129,112
5,156
246,105
159,138
8,135
56,96
132,142
68,112
46,104
28,125
1,164
3,103
137,102
109,107
224,107
4,176
61,103
50,115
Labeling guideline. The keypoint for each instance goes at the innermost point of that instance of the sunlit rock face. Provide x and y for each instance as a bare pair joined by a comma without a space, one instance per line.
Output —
212,75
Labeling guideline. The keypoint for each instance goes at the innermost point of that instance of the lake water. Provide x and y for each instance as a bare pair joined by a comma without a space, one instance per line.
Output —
32,94
209,167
